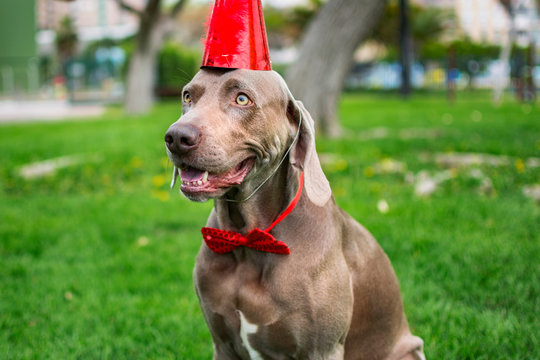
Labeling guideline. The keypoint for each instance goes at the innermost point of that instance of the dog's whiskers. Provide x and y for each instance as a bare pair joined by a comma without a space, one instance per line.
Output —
175,174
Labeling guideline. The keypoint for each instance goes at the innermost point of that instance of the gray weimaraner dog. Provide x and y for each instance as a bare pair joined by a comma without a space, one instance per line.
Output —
244,141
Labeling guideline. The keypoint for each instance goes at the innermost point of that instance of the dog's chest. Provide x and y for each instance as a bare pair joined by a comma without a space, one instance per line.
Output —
228,286
244,304
271,310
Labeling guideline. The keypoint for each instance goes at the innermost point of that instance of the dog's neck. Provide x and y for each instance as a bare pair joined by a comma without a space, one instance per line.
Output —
263,207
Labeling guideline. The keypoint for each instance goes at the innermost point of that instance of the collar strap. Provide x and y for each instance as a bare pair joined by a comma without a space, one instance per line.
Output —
278,165
291,206
222,241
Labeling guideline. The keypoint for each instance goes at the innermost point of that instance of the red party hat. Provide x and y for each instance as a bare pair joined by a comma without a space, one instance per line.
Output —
236,36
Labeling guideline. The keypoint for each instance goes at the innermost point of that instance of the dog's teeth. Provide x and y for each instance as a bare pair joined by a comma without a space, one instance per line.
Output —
199,182
205,177
175,174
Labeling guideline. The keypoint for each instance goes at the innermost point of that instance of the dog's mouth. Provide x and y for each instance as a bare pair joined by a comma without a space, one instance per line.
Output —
198,181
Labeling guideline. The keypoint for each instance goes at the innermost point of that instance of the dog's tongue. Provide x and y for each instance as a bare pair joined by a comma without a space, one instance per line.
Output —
191,174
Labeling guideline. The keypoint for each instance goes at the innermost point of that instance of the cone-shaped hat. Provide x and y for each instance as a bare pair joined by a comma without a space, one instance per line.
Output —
236,36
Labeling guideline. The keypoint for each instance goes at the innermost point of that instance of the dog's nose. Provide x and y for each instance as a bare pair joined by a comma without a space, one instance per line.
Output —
182,138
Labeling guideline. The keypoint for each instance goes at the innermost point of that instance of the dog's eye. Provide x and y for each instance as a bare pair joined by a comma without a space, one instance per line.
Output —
242,99
187,97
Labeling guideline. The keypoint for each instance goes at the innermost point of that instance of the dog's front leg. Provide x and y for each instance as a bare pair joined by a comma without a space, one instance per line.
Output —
338,353
224,352
224,346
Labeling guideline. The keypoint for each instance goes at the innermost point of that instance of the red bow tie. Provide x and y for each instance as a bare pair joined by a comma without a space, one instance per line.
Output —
222,241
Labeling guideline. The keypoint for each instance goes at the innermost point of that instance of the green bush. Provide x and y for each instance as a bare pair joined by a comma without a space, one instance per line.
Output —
176,66
464,48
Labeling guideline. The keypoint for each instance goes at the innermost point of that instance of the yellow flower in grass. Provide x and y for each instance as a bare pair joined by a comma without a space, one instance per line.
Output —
161,195
520,166
340,191
369,172
341,164
106,179
165,162
135,162
159,180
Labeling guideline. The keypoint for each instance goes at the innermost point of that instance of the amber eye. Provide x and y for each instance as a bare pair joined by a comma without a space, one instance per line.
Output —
242,99
187,98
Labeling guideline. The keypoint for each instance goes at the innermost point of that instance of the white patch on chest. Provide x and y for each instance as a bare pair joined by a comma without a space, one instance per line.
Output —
248,329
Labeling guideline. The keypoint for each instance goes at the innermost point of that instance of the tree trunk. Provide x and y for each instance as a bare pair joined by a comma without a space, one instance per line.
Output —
326,55
142,72
503,70
531,63
405,48
154,25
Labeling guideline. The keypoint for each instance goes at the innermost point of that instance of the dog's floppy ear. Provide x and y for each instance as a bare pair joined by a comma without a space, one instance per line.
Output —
303,155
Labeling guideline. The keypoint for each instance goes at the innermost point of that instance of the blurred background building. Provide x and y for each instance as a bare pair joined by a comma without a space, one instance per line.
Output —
18,48
79,49
487,20
93,19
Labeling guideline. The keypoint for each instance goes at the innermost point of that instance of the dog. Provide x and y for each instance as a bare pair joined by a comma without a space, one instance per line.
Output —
244,141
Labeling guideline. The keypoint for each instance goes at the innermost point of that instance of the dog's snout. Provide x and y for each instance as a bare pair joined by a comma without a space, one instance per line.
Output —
182,138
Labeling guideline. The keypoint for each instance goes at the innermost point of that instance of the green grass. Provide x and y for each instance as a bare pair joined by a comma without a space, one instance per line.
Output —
96,259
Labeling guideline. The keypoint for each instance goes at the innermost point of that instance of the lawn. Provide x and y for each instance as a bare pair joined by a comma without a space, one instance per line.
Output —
96,257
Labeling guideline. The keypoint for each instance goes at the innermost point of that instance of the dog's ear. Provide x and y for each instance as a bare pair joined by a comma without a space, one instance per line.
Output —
303,155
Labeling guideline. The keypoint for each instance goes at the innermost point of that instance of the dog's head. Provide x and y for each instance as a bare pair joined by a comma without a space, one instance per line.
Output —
236,126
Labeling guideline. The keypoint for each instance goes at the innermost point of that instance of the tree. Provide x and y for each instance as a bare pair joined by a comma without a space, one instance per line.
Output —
154,25
286,25
512,8
405,47
66,38
66,46
506,50
427,25
326,55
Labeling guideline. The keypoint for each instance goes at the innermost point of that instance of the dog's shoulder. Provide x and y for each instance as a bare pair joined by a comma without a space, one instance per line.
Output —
357,241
